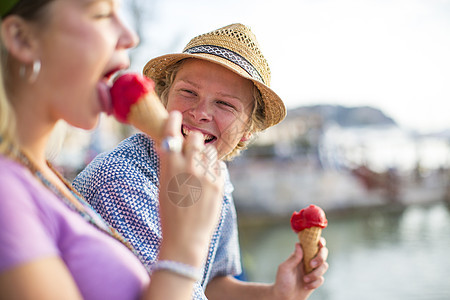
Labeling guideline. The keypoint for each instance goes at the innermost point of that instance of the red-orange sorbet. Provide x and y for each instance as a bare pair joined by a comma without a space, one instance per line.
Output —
312,216
126,91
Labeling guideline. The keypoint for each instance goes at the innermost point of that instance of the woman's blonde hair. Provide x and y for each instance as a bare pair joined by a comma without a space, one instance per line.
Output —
8,143
31,10
256,121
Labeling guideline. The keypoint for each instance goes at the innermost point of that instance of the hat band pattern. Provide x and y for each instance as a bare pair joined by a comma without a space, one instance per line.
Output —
228,55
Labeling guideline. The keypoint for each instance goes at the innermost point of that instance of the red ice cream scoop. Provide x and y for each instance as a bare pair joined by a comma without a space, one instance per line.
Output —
308,224
134,101
312,216
126,91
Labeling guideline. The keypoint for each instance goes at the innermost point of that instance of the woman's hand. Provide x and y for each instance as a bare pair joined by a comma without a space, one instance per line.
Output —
191,193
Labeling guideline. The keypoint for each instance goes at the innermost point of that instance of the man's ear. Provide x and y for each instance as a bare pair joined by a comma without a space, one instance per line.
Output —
18,38
246,136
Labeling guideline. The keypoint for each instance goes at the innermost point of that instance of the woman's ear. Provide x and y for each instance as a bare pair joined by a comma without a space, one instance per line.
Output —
18,38
246,136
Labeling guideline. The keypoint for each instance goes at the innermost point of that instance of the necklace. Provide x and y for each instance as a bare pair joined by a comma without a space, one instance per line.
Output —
87,212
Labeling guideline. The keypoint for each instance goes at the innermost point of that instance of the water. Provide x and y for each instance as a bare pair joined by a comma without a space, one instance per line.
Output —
377,254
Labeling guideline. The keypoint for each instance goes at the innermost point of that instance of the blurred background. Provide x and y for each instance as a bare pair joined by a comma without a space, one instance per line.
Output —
367,136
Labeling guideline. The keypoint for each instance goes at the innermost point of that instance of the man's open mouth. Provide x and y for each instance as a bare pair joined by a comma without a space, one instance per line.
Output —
208,138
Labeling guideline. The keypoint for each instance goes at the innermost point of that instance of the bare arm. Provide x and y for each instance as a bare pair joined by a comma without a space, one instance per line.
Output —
290,282
186,230
49,279
227,287
41,279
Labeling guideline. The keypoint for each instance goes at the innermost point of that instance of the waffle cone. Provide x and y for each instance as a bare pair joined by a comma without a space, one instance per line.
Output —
149,115
309,240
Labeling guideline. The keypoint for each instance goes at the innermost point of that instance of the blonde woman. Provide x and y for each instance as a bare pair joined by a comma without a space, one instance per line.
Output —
58,56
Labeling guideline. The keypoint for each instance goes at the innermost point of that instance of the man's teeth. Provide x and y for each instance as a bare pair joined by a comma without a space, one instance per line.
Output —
206,137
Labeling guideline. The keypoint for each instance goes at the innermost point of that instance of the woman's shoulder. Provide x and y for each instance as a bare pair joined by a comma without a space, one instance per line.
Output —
19,189
23,213
8,164
13,174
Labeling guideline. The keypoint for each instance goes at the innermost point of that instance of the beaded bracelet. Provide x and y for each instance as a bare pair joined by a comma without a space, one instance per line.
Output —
177,268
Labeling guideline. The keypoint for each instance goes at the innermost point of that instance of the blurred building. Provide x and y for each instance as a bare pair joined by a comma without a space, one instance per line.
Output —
339,158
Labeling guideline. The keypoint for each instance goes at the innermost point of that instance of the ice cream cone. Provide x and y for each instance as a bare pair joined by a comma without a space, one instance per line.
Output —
309,240
149,115
308,224
135,102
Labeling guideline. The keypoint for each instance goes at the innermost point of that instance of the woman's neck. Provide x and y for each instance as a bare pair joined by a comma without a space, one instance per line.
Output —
34,127
33,141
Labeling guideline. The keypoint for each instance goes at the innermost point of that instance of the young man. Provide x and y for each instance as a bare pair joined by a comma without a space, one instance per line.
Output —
220,84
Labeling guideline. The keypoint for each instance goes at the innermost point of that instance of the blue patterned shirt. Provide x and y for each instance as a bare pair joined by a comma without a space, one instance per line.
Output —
122,185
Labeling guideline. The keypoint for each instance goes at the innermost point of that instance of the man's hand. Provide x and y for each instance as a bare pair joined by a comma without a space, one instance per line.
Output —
292,283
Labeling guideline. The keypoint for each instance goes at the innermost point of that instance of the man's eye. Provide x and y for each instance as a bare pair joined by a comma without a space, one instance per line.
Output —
188,92
226,104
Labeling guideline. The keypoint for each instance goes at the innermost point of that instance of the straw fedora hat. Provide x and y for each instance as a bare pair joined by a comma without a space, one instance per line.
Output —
236,48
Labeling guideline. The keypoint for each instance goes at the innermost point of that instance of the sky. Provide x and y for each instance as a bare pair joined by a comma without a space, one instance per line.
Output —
393,55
